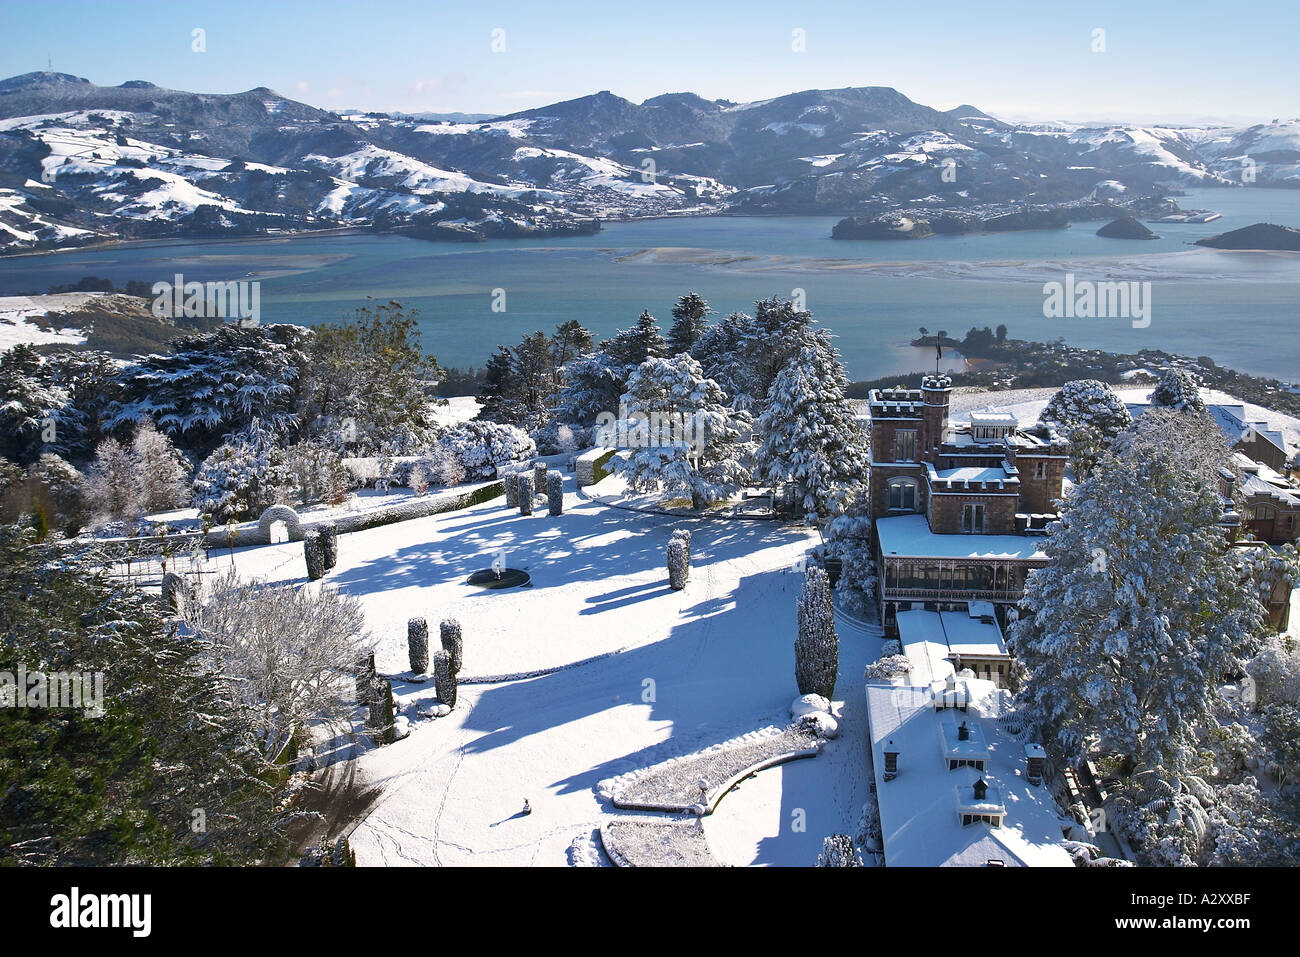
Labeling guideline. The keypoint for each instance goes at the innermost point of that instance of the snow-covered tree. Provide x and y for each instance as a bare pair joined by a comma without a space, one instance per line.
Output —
817,647
112,487
284,653
318,472
1177,389
1087,402
684,440
168,740
838,851
848,538
1193,437
592,385
163,473
367,384
1090,415
810,435
690,317
242,478
29,404
631,347
722,350
213,384
1140,614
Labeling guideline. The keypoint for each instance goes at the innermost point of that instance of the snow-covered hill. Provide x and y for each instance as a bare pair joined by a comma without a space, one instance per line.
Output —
80,162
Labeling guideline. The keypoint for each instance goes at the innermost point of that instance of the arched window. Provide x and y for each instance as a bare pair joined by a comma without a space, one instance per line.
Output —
902,494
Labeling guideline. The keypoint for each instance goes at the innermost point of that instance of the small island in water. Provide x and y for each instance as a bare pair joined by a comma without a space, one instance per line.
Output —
1257,236
1126,227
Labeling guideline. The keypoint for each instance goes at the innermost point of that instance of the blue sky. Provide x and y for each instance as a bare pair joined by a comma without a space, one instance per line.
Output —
1178,61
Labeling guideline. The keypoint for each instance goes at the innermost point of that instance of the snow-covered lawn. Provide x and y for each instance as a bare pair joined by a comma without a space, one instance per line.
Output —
694,668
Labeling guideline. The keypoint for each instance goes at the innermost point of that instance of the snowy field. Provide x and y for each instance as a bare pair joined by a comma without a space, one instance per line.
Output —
680,671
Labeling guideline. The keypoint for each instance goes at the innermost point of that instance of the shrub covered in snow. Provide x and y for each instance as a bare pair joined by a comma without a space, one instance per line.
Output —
382,711
848,538
524,487
239,481
559,438
442,467
419,479
817,647
329,540
318,473
417,645
838,851
511,482
314,553
555,493
890,646
480,446
539,478
678,569
449,635
888,667
444,679
684,536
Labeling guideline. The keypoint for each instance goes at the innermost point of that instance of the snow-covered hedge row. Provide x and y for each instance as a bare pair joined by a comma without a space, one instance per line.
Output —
593,465
480,447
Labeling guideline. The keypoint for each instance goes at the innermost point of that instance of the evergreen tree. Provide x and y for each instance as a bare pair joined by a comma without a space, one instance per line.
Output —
1178,390
1090,415
1140,614
368,385
811,435
690,317
684,439
817,647
124,787
213,384
571,340
28,404
721,351
631,347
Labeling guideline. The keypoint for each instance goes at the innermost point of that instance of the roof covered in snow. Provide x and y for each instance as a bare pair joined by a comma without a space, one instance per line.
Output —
919,809
909,536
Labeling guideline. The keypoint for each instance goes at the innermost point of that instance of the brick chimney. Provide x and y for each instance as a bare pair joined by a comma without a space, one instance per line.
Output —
891,760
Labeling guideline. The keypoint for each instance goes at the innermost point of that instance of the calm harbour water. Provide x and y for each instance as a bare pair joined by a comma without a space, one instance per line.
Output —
1240,308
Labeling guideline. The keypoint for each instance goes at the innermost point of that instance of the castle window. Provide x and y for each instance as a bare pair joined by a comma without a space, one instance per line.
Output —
1040,470
972,519
905,445
902,494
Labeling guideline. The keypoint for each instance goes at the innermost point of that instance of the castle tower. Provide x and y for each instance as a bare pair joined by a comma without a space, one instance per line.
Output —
935,393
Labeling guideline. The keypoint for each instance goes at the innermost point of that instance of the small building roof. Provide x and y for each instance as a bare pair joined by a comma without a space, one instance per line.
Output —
920,808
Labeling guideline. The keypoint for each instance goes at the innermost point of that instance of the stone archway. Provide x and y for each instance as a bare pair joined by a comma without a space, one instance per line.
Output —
280,513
